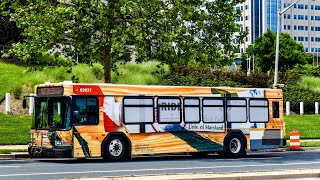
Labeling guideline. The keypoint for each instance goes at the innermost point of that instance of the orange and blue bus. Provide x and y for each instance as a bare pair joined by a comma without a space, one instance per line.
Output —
117,122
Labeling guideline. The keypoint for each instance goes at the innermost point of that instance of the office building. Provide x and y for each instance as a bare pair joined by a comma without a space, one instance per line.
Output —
302,21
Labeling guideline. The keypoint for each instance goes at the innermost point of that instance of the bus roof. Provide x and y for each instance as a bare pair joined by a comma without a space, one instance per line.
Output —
154,90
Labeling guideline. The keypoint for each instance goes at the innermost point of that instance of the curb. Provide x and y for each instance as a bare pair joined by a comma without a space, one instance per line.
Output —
260,175
15,155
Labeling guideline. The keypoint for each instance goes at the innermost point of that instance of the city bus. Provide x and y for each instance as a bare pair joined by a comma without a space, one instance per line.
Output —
117,122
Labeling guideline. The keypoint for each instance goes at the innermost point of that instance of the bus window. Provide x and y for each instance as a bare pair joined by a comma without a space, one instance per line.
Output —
275,109
137,109
191,109
237,110
258,110
88,109
213,110
169,110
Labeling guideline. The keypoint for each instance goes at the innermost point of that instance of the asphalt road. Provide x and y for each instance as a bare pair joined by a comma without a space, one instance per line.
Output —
69,168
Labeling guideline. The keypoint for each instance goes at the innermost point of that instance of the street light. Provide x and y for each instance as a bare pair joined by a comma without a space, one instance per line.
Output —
275,83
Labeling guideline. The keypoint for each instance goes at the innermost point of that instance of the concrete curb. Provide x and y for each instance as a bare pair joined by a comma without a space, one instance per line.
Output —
288,174
14,155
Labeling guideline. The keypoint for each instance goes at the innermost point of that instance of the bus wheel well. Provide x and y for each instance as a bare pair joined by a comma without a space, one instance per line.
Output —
234,144
117,134
236,132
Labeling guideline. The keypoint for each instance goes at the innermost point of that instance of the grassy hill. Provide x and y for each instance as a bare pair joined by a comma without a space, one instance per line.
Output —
19,81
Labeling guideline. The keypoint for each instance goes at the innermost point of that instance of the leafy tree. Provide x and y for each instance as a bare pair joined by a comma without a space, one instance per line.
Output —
172,31
290,52
8,30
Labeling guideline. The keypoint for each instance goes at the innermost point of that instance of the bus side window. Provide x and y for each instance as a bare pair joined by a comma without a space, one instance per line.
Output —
88,109
275,109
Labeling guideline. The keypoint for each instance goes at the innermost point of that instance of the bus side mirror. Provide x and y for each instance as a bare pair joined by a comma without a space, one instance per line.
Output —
24,103
76,116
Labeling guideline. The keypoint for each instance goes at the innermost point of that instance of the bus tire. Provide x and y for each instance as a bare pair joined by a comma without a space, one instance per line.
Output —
115,149
234,146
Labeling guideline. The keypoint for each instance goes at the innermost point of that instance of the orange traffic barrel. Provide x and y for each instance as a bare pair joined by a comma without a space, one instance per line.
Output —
294,140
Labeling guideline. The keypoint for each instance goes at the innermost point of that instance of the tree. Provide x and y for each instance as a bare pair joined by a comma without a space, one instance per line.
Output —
8,30
172,31
290,52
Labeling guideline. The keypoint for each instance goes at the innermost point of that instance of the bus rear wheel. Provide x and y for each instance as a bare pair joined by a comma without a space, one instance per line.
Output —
115,149
234,146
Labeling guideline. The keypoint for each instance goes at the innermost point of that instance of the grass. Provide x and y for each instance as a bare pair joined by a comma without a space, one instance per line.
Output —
14,129
307,125
138,73
312,83
18,81
12,77
9,151
310,144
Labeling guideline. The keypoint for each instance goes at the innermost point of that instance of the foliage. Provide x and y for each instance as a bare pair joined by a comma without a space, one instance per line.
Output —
139,73
172,31
307,125
8,30
194,76
14,129
296,94
305,70
312,83
264,47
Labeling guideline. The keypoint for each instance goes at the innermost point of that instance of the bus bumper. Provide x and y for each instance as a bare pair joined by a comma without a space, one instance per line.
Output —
50,152
256,144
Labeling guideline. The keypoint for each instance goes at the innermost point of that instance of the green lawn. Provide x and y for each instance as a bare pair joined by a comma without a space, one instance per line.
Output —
14,129
307,125
9,151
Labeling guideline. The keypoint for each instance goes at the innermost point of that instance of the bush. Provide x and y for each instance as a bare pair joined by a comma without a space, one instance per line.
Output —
296,94
194,76
17,91
307,70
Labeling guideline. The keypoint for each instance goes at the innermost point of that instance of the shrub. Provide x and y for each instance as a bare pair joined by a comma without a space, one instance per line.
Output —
194,76
17,91
296,94
307,70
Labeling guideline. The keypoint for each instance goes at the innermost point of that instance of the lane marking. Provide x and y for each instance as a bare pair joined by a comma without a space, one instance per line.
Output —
164,169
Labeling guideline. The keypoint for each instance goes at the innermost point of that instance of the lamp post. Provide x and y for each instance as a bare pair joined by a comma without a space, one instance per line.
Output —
275,82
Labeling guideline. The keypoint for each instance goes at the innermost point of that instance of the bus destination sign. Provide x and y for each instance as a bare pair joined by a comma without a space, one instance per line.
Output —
47,91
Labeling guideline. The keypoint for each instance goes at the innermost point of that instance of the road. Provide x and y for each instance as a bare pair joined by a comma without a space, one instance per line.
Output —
70,168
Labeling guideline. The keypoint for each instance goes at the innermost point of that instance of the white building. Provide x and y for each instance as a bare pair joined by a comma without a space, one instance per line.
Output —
302,21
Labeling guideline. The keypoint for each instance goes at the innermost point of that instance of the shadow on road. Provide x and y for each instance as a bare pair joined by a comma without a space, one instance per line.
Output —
164,157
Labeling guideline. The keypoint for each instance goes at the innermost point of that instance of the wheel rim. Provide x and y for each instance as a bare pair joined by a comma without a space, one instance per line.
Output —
115,147
235,145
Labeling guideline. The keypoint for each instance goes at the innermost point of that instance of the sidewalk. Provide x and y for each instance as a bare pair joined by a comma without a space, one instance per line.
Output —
13,146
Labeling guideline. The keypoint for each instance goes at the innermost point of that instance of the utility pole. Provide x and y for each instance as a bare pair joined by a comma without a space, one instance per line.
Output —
275,82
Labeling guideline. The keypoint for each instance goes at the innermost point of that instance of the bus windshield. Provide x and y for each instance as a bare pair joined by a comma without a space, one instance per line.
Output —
52,113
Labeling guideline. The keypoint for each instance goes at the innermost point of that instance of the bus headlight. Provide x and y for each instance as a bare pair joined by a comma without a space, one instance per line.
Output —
59,143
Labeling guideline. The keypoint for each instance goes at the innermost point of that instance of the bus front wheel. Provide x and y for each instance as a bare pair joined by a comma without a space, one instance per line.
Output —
115,149
234,146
